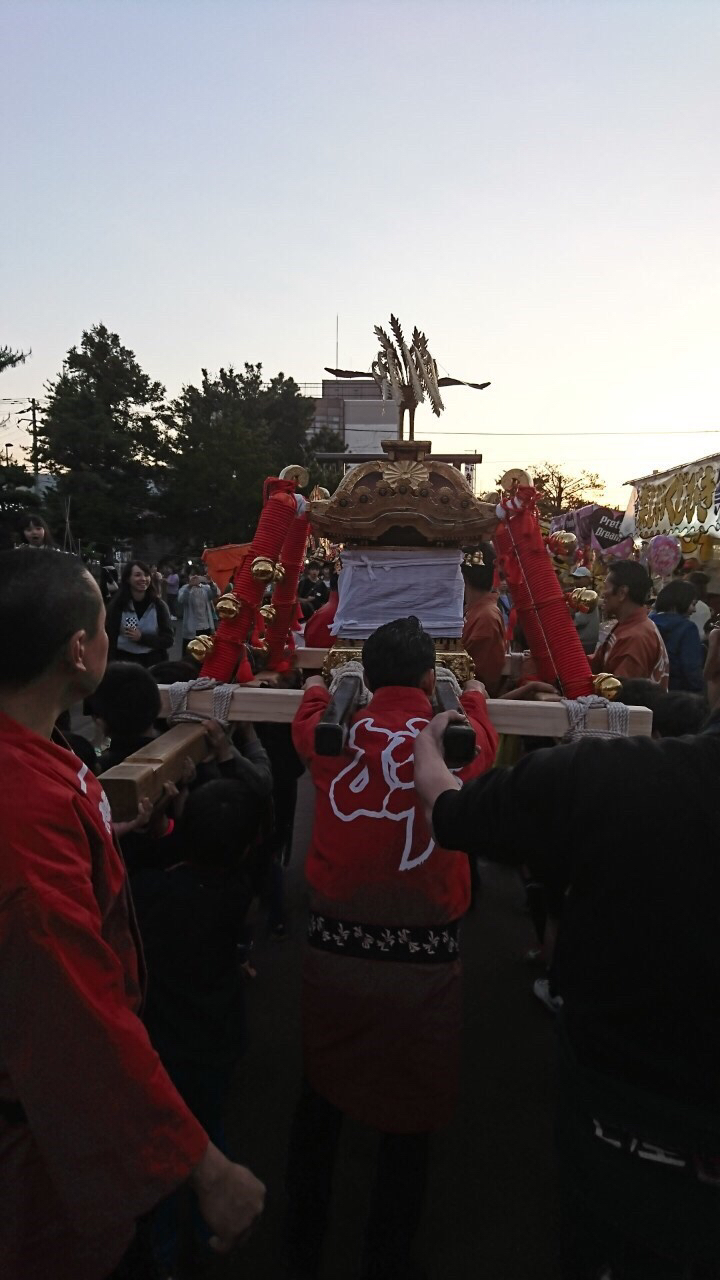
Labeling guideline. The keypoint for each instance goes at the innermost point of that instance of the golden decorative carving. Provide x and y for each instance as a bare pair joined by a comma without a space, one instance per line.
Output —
406,499
457,661
337,656
448,653
262,569
406,472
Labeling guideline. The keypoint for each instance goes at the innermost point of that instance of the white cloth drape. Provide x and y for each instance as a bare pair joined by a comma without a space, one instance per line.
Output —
378,586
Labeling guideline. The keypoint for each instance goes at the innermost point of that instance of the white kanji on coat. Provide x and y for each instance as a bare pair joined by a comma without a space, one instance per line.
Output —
396,792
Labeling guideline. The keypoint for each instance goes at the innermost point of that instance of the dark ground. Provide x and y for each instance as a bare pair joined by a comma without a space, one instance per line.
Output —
491,1208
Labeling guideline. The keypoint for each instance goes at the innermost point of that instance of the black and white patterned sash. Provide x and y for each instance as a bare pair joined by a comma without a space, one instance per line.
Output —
436,945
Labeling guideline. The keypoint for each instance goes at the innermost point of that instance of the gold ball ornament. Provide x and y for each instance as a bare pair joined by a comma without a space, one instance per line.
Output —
201,647
584,599
262,569
268,612
227,607
607,686
278,572
562,543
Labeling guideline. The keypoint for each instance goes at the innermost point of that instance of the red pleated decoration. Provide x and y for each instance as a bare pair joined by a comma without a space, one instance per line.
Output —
542,610
229,656
278,633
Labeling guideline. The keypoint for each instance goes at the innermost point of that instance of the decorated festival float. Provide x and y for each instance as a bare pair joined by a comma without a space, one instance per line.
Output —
404,520
680,509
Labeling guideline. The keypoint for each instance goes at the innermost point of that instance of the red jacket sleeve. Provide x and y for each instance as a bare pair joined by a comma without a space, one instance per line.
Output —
475,707
314,704
114,1134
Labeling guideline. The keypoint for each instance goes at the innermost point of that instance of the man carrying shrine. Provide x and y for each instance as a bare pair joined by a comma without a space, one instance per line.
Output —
382,976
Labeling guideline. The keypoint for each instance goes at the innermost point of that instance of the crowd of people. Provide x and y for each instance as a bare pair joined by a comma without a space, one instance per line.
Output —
125,947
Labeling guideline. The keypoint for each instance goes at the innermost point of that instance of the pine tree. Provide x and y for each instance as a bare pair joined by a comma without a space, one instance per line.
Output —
101,436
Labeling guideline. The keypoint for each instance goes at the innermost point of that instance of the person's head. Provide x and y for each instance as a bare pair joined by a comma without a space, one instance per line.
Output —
674,714
400,653
220,824
127,700
701,582
479,577
52,625
313,570
33,530
626,589
678,596
582,577
136,582
173,672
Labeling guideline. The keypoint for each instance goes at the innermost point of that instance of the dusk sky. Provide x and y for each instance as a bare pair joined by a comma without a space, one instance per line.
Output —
535,184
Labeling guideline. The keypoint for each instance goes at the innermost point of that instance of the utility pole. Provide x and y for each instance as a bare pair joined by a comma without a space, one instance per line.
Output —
33,410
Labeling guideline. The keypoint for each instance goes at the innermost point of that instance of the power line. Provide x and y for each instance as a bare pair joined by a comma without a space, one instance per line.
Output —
528,435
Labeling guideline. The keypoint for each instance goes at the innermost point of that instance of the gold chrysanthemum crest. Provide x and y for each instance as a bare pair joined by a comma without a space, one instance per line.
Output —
405,472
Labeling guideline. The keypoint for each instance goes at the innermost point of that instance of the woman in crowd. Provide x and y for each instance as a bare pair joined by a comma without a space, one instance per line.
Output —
671,616
195,603
138,621
33,531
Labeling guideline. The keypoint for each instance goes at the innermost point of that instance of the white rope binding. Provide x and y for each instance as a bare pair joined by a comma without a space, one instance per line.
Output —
577,710
179,692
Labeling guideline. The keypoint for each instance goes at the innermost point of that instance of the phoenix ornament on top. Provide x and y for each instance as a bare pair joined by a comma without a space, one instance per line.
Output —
406,375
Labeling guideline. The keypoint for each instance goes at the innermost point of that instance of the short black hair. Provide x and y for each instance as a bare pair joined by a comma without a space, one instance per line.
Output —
398,653
678,596
630,574
480,576
174,671
44,600
219,823
699,579
674,714
127,699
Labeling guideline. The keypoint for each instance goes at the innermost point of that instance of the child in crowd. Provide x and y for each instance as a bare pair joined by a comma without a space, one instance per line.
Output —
127,706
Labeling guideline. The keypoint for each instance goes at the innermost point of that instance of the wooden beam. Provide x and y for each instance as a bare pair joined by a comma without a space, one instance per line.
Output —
143,775
531,719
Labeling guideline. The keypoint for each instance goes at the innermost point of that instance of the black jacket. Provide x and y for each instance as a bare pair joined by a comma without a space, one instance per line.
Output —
628,831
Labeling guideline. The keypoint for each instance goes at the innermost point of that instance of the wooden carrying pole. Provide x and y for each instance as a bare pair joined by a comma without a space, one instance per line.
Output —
144,774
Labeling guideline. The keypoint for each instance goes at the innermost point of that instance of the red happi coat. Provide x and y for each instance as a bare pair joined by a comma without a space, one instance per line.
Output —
381,1040
105,1134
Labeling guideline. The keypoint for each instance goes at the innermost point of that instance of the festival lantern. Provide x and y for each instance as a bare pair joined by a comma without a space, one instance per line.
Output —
541,607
